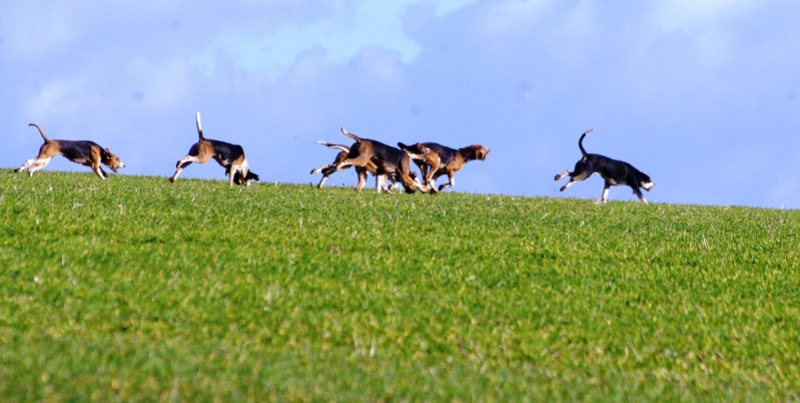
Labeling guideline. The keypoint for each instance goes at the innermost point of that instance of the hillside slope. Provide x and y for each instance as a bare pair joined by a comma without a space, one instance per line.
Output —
135,288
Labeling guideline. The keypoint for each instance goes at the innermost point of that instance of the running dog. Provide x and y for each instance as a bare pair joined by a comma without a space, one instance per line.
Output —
83,152
381,186
615,173
329,169
389,161
230,156
443,161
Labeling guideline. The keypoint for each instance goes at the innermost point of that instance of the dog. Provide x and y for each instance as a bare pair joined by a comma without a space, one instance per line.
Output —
446,161
230,156
615,173
83,152
329,169
389,162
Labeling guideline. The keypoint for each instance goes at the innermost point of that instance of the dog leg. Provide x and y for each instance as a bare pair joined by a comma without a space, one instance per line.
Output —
242,169
359,161
452,181
38,164
380,184
185,162
638,193
26,165
604,196
563,174
423,188
99,171
326,170
362,178
575,178
245,170
430,183
232,175
320,169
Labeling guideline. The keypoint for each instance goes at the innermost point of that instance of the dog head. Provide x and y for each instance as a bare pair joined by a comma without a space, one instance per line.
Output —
645,182
110,160
475,152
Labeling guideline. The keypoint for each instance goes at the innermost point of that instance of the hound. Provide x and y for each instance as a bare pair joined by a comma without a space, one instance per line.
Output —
615,173
83,152
230,156
447,161
329,169
389,161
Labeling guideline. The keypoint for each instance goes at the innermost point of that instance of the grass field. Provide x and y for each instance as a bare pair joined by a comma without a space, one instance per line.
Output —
138,289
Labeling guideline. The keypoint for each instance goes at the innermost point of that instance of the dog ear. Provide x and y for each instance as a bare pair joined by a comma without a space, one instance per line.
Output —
401,145
481,152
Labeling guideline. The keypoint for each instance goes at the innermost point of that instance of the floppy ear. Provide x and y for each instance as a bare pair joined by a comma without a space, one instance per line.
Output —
481,153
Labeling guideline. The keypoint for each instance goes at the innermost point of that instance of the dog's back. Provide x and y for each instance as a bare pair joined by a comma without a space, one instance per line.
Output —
386,153
446,154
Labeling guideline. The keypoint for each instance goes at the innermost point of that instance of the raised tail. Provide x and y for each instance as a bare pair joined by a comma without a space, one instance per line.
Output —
340,147
351,135
199,127
580,142
44,136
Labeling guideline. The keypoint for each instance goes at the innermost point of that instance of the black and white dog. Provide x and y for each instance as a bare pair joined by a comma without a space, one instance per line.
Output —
615,173
230,156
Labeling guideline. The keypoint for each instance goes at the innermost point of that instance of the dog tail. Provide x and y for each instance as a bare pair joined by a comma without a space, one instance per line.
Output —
580,142
351,135
44,136
340,147
199,127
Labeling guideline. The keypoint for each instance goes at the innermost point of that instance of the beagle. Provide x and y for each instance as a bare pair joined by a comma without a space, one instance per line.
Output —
83,152
448,161
329,169
615,173
389,162
230,156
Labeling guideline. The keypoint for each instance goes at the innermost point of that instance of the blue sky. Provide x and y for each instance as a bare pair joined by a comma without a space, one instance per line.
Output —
701,95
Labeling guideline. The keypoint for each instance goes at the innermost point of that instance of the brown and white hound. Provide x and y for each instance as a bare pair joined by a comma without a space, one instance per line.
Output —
83,152
230,156
329,169
389,162
447,161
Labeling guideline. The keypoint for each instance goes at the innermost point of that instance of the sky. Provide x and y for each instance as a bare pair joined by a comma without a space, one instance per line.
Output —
700,95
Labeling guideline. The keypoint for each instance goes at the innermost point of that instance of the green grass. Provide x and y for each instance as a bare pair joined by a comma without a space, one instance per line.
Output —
137,289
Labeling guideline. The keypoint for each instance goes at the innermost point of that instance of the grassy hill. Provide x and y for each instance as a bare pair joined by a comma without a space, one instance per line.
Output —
135,288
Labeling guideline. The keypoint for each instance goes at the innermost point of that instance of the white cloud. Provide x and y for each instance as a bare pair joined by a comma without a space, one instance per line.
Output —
510,17
692,14
346,28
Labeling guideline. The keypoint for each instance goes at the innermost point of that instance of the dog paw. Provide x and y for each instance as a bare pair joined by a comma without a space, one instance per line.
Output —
563,188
